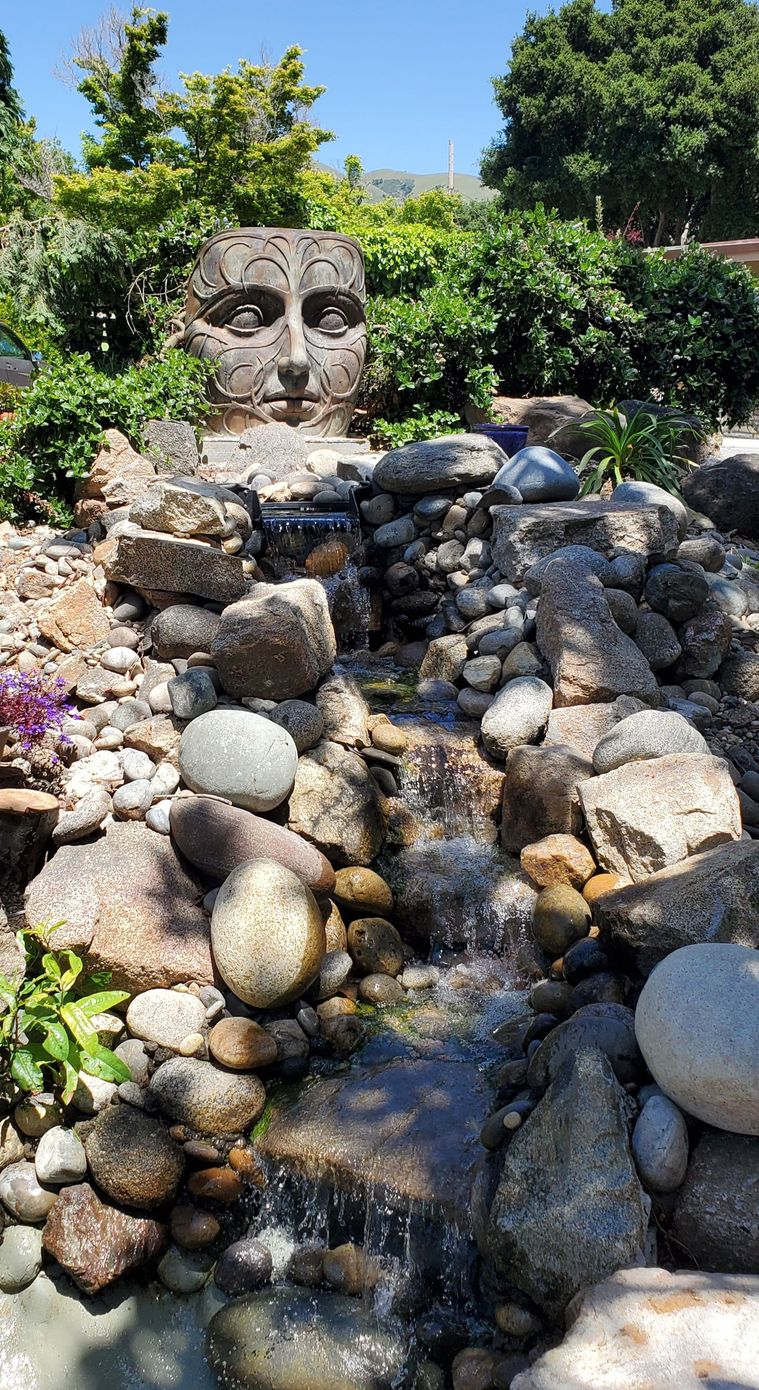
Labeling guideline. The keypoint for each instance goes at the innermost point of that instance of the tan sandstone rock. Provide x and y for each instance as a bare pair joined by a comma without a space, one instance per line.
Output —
647,815
74,618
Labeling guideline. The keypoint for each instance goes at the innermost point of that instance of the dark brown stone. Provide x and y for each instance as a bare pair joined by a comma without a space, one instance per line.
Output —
132,1158
540,794
216,1184
95,1243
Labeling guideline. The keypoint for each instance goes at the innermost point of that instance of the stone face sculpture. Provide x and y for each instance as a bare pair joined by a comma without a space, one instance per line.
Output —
280,313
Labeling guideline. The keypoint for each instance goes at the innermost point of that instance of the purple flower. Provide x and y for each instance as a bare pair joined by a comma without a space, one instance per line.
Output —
32,706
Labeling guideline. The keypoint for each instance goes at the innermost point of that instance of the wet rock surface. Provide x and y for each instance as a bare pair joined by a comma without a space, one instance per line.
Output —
569,1209
95,1243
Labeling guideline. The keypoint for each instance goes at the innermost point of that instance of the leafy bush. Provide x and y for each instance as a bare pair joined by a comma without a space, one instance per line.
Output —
46,1024
428,354
563,326
642,446
417,425
698,337
402,260
59,425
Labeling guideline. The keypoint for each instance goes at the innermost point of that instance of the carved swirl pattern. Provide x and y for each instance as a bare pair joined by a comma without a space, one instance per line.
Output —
280,313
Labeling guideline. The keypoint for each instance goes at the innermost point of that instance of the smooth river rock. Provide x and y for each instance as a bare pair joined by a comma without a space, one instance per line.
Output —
647,734
196,1093
518,715
298,1339
697,1025
165,1017
216,838
660,1145
267,934
239,755
337,805
436,465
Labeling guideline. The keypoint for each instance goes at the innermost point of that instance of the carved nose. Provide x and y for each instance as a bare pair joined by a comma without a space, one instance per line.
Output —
294,365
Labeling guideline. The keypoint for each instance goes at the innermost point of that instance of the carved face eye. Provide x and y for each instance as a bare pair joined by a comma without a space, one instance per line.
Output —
327,314
260,311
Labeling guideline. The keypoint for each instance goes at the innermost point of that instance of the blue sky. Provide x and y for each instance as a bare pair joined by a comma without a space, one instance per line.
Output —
403,76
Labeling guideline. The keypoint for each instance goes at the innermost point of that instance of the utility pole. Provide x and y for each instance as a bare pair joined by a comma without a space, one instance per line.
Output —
450,166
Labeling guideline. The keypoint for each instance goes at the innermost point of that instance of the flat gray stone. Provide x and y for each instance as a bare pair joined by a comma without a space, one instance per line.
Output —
524,535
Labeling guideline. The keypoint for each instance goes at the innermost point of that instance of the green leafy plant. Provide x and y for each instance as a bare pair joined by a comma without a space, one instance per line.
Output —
642,447
46,1024
418,425
60,420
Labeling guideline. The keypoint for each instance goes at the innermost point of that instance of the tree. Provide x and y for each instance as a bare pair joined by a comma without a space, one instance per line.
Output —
11,119
653,107
118,58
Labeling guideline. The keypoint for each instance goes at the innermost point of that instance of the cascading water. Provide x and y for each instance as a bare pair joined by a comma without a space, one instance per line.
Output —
324,544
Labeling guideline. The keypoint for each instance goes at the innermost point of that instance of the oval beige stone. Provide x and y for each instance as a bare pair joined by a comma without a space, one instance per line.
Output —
267,934
697,1025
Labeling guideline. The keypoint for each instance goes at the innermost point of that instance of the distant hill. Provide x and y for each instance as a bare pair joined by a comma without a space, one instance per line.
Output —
400,184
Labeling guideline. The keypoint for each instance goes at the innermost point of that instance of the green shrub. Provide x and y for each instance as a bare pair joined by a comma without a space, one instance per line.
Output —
428,354
391,435
563,326
698,341
59,425
46,1027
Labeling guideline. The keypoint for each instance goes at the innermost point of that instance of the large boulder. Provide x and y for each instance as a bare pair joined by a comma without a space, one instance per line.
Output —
709,897
238,755
650,733
569,1209
456,461
117,476
544,416
697,1024
590,658
172,446
152,561
540,794
330,1343
217,838
646,815
540,475
518,714
96,1243
337,805
650,1329
130,904
524,535
715,1216
167,506
739,675
276,643
267,934
727,491
424,1123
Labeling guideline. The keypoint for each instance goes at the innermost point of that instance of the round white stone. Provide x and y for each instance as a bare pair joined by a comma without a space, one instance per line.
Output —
697,1025
165,1016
